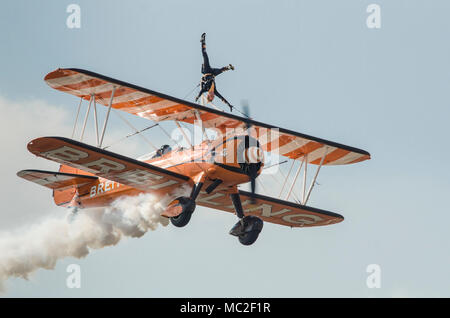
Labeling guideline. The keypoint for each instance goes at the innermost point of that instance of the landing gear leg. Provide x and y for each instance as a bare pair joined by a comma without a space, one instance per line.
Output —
187,206
248,228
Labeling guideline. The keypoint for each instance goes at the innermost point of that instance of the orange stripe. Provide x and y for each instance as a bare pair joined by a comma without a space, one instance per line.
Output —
332,156
279,142
305,149
172,110
58,74
120,91
150,99
204,117
231,123
362,158
178,108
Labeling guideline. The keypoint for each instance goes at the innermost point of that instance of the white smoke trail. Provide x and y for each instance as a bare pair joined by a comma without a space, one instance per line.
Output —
42,245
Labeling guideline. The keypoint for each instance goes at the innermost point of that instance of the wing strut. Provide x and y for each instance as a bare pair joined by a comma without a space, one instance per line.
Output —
305,159
184,134
95,121
306,194
285,180
295,180
305,200
107,116
76,118
86,118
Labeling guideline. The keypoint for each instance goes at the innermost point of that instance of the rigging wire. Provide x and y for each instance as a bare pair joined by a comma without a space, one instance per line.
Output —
293,192
76,118
131,135
188,94
135,129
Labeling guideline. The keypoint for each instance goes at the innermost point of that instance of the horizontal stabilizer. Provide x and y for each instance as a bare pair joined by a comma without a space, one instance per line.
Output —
271,209
106,164
56,180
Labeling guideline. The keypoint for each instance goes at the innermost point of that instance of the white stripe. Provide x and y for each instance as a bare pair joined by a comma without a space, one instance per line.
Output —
175,116
266,138
129,97
318,153
293,145
68,80
92,90
346,159
150,108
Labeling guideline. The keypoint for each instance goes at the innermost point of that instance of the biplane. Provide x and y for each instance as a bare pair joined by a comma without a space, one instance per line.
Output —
209,171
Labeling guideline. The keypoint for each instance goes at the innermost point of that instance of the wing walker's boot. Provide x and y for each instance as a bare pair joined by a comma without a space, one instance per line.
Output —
202,39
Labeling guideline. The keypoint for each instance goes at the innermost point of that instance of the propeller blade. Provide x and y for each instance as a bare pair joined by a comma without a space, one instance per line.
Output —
253,174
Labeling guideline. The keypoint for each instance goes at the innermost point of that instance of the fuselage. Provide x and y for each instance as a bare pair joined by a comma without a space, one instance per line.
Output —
222,159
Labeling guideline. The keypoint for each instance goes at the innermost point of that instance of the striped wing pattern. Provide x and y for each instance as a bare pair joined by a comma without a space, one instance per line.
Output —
159,107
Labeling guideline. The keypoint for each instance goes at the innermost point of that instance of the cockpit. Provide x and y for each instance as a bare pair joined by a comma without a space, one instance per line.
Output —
162,151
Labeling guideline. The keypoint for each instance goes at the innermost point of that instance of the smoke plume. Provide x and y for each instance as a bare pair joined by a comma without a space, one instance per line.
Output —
42,245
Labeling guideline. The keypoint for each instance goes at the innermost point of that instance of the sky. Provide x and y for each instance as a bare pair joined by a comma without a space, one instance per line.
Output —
309,66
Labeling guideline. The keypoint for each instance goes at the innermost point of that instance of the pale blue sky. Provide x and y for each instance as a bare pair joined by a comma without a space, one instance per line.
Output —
309,66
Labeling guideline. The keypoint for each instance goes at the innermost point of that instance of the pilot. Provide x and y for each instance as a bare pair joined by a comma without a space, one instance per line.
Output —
162,151
208,83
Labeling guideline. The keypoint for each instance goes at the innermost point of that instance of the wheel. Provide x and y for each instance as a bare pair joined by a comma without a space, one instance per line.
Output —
182,219
249,233
248,238
188,207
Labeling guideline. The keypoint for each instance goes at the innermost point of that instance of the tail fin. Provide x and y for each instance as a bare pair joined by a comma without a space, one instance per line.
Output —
64,185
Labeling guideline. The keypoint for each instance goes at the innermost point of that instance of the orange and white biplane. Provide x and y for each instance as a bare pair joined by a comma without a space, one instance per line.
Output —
212,170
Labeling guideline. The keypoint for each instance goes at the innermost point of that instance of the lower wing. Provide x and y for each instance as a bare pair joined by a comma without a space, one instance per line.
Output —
108,165
271,209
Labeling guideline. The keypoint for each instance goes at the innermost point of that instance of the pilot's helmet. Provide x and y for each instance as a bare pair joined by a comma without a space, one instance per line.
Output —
165,149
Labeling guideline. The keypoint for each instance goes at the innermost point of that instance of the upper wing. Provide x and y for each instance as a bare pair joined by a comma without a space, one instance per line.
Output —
271,210
158,107
56,180
107,164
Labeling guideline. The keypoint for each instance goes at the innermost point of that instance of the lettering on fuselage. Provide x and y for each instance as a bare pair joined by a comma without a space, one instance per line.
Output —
103,187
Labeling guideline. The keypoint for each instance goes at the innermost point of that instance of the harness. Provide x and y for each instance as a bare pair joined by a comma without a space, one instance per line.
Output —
207,77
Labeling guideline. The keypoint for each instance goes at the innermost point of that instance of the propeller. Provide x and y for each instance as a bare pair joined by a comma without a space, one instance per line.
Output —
251,168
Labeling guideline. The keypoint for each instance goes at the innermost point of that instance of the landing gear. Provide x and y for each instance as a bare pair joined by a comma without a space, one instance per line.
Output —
248,227
187,207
